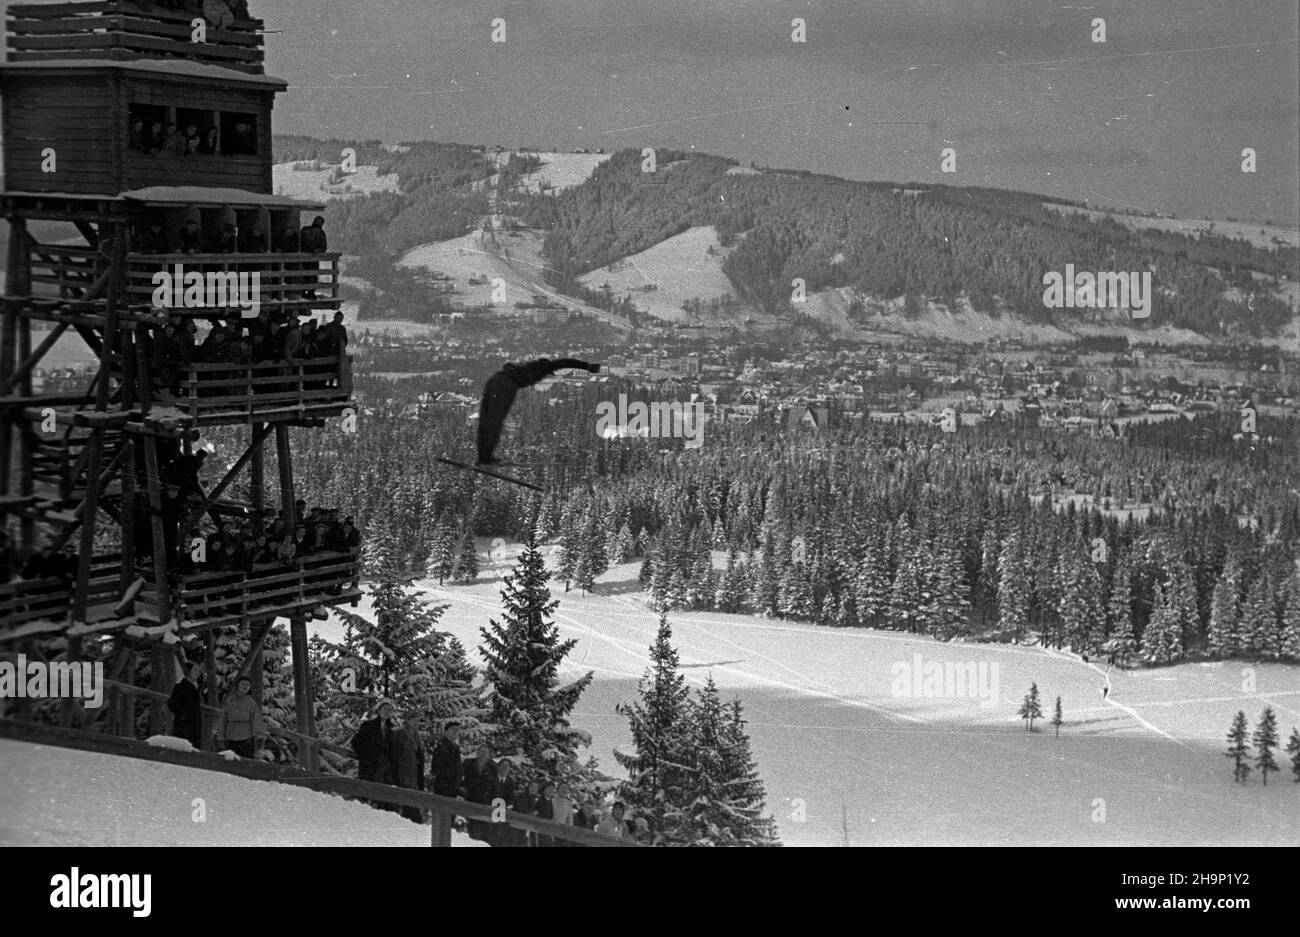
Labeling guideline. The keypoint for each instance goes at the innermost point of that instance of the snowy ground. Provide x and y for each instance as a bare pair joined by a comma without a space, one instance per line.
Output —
840,752
61,797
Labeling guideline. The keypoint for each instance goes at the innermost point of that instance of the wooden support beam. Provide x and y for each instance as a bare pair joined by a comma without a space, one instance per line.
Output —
284,460
255,662
302,696
254,654
160,557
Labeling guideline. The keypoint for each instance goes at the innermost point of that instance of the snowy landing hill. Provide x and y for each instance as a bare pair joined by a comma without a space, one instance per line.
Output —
836,746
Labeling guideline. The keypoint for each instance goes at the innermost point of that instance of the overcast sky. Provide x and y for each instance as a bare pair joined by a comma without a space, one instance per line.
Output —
1154,118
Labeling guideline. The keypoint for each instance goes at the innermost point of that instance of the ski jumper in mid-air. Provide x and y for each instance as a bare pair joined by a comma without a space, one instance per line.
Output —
499,394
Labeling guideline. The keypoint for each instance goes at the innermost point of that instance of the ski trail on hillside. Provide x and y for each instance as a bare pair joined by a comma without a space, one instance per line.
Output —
1110,701
810,684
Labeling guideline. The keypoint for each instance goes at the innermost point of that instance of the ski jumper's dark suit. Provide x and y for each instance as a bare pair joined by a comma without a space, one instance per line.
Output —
499,394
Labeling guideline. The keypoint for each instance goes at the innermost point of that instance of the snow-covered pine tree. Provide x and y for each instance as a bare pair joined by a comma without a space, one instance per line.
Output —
946,583
796,597
1265,740
733,590
657,767
765,580
1225,604
398,652
1162,639
621,550
724,796
1293,749
442,560
1288,647
528,710
872,584
986,585
1258,621
1121,644
748,796
907,591
467,557
1238,751
1057,720
1014,588
1031,708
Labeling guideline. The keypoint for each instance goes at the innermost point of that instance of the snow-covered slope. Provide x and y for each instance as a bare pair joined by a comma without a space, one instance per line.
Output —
62,797
837,748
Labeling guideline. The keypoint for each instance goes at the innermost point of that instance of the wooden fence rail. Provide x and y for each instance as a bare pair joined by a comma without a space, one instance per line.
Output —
442,809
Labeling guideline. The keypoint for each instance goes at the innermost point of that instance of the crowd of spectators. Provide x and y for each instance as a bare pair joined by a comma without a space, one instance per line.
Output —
392,751
150,237
46,562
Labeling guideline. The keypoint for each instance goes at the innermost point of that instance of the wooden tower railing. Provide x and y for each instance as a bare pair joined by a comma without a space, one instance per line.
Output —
311,386
204,600
120,30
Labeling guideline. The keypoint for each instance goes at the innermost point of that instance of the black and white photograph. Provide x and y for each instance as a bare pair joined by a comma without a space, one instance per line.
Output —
596,423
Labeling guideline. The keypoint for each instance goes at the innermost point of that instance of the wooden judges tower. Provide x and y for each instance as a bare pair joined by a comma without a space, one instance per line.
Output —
96,202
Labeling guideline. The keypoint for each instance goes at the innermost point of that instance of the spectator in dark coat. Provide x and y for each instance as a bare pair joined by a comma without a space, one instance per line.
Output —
190,237
508,790
185,705
8,557
408,767
374,746
312,238
546,811
479,784
444,764
332,339
525,803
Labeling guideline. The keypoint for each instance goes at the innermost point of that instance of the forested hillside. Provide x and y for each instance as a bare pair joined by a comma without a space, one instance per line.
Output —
925,243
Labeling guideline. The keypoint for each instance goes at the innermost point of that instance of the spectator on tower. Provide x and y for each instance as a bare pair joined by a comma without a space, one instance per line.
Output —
151,240
211,141
242,726
137,135
287,241
332,338
243,140
351,536
291,339
190,237
8,557
43,564
312,237
155,138
190,140
185,705
445,762
252,240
